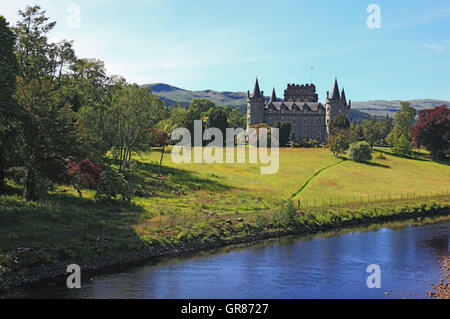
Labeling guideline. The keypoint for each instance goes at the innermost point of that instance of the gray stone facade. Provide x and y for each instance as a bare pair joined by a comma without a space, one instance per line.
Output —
308,117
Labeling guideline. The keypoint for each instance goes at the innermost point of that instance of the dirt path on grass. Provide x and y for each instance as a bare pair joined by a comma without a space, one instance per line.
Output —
314,175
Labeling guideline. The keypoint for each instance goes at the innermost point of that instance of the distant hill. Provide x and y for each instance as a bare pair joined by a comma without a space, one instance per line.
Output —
172,95
381,107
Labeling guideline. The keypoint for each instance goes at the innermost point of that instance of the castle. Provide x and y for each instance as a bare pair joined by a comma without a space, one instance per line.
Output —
301,107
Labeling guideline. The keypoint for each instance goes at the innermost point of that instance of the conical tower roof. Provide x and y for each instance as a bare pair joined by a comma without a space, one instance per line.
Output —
273,98
335,93
343,98
256,90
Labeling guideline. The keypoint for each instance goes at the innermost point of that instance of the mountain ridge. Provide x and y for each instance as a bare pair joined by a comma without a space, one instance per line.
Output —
173,95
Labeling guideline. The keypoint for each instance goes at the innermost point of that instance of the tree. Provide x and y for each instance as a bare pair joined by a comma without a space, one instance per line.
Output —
48,136
8,108
198,110
387,126
236,119
95,132
48,133
357,132
262,132
372,131
161,138
404,120
402,146
432,131
133,111
338,144
360,152
339,122
284,133
217,118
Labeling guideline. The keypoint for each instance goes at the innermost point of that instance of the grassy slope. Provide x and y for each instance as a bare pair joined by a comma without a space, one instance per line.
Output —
241,186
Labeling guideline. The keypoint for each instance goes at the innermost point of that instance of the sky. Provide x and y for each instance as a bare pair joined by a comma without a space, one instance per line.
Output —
225,45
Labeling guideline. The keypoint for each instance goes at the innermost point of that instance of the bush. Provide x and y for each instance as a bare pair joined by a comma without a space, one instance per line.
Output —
306,143
112,184
84,174
261,221
360,152
287,217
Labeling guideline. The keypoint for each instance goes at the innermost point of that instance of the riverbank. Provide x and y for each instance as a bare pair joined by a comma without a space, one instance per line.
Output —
26,265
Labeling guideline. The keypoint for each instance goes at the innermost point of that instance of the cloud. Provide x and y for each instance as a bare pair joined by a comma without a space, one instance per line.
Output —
437,47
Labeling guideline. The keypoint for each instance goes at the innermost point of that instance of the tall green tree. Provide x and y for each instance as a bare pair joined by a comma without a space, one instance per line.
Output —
284,133
198,110
404,121
47,123
337,123
218,118
372,131
8,107
133,111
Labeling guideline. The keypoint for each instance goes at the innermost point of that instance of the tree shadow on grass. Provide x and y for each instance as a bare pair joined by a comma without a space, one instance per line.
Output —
177,176
376,164
417,157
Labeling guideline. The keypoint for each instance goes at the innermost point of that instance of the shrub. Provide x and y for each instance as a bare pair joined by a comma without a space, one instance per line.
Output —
261,221
84,174
287,216
360,152
306,143
112,184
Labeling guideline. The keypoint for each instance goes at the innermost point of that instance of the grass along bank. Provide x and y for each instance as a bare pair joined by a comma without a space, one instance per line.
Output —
53,236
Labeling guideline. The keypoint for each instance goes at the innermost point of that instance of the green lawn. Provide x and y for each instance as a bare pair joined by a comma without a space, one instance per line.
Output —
229,187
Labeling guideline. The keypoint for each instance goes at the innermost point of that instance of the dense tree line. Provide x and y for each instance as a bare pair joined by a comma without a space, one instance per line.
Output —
402,133
62,118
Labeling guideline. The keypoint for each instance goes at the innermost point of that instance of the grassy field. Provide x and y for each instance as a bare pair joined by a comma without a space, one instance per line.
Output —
229,187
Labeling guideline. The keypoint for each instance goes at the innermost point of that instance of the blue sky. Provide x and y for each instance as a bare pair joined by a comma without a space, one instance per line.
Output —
224,45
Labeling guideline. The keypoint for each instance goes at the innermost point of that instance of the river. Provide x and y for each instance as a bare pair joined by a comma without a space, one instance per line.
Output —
329,265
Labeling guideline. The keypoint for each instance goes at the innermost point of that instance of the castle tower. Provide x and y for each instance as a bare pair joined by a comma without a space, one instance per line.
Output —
336,104
255,106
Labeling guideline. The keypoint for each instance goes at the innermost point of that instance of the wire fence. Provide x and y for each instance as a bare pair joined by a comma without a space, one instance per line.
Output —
167,218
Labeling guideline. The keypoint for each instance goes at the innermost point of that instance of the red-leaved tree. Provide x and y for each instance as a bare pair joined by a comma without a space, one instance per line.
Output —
84,174
432,131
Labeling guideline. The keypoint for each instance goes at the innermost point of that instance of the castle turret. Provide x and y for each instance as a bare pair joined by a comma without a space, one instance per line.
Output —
335,93
255,106
336,104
